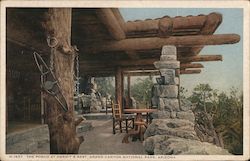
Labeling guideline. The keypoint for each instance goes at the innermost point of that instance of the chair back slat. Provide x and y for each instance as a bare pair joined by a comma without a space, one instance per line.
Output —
116,109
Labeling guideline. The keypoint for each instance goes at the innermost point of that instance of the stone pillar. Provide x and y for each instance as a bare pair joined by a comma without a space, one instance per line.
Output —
172,130
165,92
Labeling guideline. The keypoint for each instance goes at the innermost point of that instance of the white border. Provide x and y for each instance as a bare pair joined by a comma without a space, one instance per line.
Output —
129,4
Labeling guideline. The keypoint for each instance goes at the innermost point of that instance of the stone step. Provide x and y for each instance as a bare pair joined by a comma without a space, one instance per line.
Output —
22,147
16,137
27,141
36,140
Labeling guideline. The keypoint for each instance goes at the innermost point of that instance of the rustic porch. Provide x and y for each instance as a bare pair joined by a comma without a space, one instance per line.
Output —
106,45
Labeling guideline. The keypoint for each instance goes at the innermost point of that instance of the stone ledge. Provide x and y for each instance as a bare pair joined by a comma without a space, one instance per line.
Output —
169,145
174,127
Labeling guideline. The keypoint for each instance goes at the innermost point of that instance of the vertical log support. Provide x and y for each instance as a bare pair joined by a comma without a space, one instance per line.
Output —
118,86
129,92
62,127
122,90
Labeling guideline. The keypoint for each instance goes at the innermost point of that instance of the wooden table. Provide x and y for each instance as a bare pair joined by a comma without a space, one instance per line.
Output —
139,123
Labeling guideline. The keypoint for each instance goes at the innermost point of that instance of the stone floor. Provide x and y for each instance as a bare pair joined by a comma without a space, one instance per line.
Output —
101,140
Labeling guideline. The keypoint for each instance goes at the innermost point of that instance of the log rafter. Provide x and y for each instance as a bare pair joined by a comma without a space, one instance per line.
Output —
211,24
189,65
157,43
201,58
108,18
197,71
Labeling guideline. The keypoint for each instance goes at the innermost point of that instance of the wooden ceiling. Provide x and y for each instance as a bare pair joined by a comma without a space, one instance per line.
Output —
105,41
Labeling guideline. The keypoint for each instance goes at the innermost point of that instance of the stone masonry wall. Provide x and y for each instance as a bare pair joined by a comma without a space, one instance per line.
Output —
172,130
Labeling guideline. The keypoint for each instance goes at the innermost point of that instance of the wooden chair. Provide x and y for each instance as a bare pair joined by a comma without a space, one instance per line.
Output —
121,121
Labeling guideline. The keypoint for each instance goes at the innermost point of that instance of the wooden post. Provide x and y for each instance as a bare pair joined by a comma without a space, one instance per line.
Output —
122,90
129,94
118,86
62,126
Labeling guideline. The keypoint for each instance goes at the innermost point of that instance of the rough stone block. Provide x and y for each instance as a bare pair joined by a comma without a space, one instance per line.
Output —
155,115
167,64
188,115
168,104
168,91
169,50
161,104
170,72
154,101
173,114
163,114
168,75
176,80
168,57
168,145
172,127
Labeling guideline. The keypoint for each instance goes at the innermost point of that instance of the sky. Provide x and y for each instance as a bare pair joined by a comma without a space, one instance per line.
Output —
221,75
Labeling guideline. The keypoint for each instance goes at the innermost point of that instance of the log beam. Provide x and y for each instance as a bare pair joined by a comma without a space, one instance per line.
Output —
194,65
124,68
177,23
108,18
110,71
99,74
132,54
212,22
157,43
197,71
119,18
113,63
142,73
106,73
201,58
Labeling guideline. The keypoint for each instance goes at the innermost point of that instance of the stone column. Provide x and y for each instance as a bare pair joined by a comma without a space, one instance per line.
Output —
172,130
165,93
